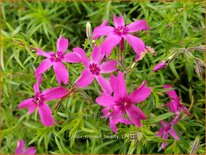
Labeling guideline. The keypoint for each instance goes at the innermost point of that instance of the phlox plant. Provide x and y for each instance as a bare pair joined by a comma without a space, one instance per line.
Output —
115,98
102,77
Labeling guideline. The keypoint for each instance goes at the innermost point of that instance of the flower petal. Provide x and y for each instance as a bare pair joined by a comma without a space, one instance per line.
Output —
96,55
164,124
118,85
45,64
136,43
164,144
102,31
62,44
72,57
140,94
106,112
118,21
137,26
37,83
170,93
61,72
108,66
42,53
45,114
173,134
112,125
185,110
175,119
85,79
28,103
165,136
104,83
160,132
124,121
105,22
135,115
54,93
173,105
30,151
82,54
20,147
105,100
109,43
115,117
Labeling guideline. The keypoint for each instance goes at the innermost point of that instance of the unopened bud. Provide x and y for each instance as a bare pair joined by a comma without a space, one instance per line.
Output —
195,145
171,56
151,50
160,65
199,68
139,56
139,135
133,65
121,45
88,30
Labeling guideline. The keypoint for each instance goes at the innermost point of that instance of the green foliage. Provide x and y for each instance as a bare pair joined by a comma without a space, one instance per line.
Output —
177,33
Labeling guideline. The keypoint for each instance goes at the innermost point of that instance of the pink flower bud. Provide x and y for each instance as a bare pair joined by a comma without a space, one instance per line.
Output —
159,66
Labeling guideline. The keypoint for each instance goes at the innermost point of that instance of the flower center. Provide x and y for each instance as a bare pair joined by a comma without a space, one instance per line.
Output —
125,103
168,128
94,69
120,30
38,99
56,57
180,103
110,110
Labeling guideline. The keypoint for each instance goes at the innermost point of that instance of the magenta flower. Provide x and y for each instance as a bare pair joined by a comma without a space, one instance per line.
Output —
56,60
20,148
119,33
93,69
159,66
38,101
175,105
121,102
165,130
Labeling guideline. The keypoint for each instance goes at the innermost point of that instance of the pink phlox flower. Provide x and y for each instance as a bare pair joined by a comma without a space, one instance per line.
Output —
160,65
119,33
175,105
94,69
115,105
167,128
56,60
20,149
38,101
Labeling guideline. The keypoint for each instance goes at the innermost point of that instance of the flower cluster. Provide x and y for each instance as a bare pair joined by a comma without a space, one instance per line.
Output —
175,106
115,98
120,102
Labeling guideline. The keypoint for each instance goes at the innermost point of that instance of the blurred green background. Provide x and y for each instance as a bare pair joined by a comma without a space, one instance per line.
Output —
176,28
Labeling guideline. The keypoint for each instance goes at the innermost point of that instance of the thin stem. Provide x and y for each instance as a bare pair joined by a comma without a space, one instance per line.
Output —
87,97
121,65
